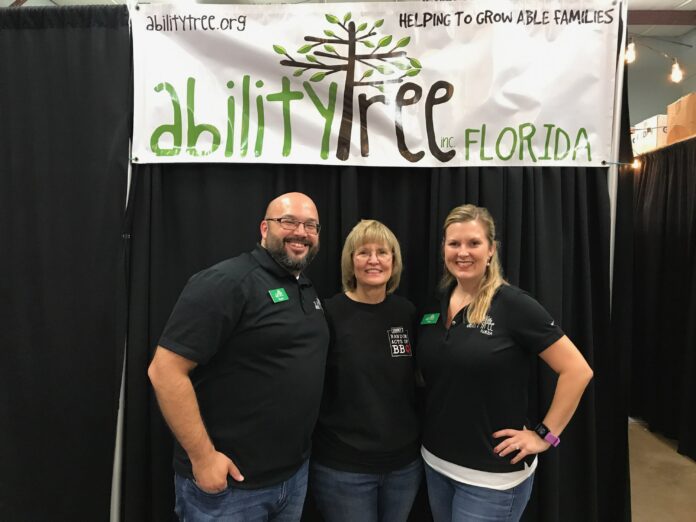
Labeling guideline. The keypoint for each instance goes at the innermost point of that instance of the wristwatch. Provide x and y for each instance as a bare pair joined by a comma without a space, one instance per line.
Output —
546,434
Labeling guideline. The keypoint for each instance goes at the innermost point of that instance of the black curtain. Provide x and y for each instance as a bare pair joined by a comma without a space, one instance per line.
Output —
554,229
64,111
663,370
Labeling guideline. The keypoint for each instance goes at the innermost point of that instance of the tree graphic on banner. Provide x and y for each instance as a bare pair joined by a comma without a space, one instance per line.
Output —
380,57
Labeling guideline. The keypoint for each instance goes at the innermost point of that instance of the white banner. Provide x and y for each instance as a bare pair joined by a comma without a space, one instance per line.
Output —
462,83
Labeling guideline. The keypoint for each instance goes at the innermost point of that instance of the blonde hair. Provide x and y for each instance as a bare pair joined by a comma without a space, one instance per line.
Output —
369,231
492,277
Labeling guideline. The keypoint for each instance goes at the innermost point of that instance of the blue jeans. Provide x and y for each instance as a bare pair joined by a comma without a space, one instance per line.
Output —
281,503
343,496
452,501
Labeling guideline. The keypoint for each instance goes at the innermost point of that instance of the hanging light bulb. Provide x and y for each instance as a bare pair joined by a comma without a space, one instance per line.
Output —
677,73
631,51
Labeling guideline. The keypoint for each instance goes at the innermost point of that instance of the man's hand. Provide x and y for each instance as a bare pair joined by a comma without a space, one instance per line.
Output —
211,471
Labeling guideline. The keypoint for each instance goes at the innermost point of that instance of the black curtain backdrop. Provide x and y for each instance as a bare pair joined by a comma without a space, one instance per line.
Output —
663,369
554,229
64,110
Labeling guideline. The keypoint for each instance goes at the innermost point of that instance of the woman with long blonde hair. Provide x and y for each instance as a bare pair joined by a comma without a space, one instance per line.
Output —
475,344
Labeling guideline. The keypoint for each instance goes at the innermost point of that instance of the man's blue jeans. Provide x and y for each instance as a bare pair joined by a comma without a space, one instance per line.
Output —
342,496
452,501
280,503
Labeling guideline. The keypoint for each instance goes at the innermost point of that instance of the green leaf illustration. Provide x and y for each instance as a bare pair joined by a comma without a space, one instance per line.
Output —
305,48
329,33
346,17
412,72
384,41
298,72
385,70
379,23
279,49
368,73
311,58
415,63
367,43
401,66
330,48
317,77
361,27
379,87
403,42
331,19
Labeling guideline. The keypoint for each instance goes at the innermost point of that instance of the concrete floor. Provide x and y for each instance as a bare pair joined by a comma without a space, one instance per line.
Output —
663,482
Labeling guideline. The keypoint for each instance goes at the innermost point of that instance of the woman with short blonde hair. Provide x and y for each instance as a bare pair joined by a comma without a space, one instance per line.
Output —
370,231
365,454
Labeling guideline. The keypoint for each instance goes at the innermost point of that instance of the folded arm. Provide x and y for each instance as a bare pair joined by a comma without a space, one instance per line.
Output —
573,376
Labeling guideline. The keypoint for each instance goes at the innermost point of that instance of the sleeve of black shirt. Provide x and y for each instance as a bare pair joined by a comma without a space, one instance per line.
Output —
204,316
532,326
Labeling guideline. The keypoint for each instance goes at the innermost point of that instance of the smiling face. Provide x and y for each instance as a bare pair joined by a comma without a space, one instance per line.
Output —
292,249
372,265
467,250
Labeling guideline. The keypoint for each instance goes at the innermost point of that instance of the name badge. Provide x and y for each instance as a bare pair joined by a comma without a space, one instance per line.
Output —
278,295
430,318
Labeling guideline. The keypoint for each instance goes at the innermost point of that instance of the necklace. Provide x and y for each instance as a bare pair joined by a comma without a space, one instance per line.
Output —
458,304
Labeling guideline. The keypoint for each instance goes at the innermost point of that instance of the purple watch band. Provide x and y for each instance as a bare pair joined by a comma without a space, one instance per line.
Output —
545,433
552,439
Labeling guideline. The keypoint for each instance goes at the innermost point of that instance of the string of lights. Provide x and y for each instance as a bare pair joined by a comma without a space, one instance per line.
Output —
676,75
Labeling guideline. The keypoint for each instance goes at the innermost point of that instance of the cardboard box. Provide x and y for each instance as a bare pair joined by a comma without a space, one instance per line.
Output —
681,116
649,134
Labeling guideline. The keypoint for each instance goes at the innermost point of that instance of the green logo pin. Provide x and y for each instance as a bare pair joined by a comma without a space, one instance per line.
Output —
430,318
278,295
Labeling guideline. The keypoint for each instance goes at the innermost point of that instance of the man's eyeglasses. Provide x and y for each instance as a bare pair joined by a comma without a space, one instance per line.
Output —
311,227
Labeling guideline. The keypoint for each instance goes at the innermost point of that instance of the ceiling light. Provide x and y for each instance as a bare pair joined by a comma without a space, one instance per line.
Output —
631,52
677,74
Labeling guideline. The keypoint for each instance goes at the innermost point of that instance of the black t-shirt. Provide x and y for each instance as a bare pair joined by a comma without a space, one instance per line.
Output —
368,421
260,338
476,376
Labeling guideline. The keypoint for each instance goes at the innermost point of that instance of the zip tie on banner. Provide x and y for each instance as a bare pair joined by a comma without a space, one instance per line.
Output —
634,129
635,164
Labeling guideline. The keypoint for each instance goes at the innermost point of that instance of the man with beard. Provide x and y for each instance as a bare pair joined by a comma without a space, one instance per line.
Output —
238,375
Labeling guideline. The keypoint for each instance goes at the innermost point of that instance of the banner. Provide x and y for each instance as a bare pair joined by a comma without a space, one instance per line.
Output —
425,84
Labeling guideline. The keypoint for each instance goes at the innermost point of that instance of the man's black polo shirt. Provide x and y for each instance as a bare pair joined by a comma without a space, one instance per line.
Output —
260,340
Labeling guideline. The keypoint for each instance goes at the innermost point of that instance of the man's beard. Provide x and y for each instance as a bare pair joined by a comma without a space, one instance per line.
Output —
276,247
